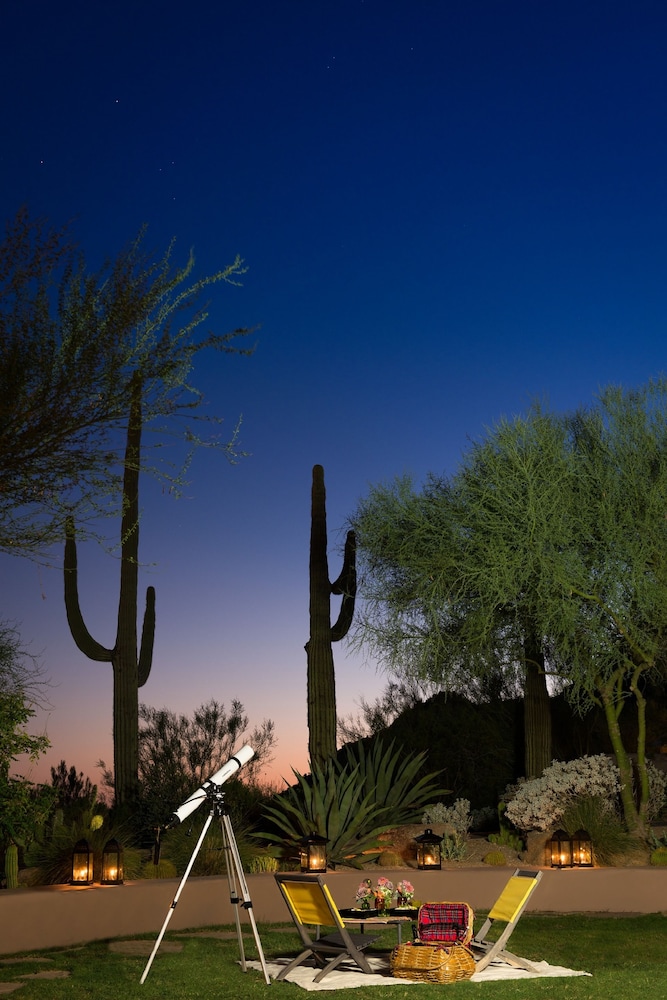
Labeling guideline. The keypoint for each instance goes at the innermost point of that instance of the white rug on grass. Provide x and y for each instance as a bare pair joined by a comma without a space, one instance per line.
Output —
348,975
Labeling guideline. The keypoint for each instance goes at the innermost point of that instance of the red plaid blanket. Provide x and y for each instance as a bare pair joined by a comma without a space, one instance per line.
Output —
445,922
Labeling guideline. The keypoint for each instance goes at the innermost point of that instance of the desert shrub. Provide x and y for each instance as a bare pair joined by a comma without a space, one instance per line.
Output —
456,816
484,819
657,783
179,843
494,858
163,869
539,804
602,821
349,802
657,841
390,859
659,856
454,847
262,863
509,838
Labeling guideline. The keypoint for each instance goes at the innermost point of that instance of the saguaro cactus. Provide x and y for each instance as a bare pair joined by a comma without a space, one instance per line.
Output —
12,866
130,671
321,677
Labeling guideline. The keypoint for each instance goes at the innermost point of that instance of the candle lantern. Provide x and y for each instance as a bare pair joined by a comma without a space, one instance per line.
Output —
559,850
582,850
429,850
313,853
112,863
82,864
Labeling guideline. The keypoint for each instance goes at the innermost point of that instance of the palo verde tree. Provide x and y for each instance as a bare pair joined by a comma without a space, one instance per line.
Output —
158,374
608,616
321,676
424,614
546,549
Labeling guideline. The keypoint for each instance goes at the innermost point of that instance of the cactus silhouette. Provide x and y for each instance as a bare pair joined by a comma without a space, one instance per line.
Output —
12,866
130,671
321,678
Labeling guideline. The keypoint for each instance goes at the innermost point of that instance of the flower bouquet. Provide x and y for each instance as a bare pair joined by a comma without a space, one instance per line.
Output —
405,893
364,895
384,890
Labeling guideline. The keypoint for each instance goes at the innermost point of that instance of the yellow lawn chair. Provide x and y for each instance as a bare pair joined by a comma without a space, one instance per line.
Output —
507,909
311,904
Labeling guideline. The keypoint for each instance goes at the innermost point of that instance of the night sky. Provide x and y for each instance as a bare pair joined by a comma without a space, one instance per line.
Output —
447,209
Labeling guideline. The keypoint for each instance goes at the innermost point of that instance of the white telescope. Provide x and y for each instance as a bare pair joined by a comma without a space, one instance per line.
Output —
245,754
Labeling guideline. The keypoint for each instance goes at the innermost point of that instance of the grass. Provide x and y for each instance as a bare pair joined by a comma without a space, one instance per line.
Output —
624,954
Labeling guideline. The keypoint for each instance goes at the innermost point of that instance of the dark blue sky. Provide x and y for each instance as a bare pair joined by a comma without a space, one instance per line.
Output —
447,209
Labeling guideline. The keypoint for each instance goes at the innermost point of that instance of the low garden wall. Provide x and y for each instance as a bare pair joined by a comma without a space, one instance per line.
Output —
57,916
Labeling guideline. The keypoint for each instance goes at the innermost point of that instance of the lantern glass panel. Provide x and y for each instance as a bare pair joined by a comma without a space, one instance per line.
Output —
82,864
112,864
559,850
313,853
582,849
429,850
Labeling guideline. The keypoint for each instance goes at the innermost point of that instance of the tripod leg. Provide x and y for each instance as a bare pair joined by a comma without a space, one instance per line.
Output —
233,892
171,909
234,871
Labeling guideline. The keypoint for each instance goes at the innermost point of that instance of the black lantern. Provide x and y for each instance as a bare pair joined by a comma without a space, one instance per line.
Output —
428,850
313,853
112,863
582,850
82,864
559,850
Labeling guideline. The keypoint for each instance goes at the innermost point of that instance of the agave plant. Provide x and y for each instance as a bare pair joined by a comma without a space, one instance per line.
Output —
350,803
392,777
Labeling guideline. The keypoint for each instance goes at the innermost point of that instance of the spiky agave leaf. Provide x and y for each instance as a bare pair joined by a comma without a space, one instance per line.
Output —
330,802
351,803
392,775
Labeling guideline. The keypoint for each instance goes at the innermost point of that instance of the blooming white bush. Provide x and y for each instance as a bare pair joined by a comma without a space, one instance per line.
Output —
657,783
539,804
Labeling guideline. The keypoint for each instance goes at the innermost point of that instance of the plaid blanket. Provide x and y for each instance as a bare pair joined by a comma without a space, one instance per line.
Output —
445,922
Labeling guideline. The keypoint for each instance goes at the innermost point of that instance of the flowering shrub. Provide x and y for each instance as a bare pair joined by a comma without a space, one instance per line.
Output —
657,783
539,804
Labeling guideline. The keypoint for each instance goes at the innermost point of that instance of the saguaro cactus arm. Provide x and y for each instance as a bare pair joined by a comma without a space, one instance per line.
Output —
147,637
346,584
82,637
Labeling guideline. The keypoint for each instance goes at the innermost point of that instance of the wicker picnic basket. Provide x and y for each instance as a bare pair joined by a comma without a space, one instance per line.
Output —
432,963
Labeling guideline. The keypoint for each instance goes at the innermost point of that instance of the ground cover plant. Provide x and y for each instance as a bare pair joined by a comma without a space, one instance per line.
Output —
624,954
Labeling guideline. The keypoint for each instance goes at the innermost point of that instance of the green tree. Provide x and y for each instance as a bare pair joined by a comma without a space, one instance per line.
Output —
177,753
433,613
22,804
72,344
75,793
545,550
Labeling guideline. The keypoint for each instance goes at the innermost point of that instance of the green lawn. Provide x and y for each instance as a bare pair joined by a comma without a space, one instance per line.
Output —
627,957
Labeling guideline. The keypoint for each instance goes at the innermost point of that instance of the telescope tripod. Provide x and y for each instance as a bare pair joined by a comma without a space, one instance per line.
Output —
235,874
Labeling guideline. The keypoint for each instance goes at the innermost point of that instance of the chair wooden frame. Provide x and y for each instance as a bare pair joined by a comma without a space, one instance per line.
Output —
311,904
507,909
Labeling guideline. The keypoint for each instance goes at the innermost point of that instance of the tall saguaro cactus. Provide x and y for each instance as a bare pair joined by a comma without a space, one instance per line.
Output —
321,677
130,671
